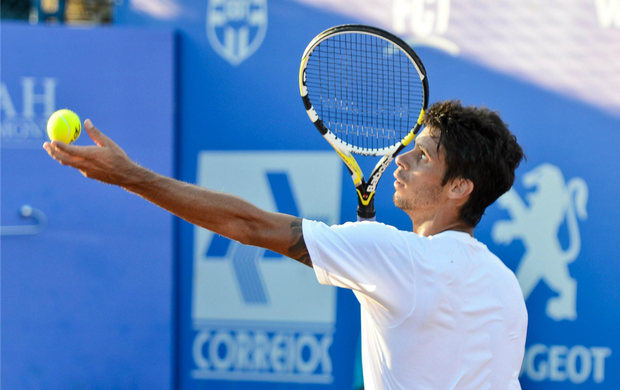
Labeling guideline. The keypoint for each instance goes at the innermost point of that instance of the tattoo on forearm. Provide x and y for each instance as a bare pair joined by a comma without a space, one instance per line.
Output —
298,250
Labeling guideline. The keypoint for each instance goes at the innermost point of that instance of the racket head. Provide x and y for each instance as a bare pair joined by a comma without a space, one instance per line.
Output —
364,88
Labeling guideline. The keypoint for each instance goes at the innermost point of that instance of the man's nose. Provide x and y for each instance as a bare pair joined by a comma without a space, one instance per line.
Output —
402,160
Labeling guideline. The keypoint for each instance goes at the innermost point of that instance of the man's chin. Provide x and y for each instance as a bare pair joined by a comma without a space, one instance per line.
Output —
401,203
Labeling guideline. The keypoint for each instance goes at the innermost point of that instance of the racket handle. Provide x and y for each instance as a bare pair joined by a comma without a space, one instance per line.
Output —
366,213
360,219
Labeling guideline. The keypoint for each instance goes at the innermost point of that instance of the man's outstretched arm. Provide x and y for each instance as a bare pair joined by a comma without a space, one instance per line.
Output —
222,213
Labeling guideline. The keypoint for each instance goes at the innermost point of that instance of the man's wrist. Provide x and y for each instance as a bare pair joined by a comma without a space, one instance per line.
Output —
136,178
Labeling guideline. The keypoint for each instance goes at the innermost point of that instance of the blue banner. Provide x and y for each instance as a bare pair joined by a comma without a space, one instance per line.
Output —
86,268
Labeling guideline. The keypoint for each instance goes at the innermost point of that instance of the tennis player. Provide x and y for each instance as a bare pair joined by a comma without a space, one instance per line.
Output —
439,310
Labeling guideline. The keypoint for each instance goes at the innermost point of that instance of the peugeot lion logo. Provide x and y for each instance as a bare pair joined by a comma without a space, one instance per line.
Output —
236,28
551,203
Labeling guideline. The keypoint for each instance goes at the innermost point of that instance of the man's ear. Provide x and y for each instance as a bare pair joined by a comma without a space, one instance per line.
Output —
460,189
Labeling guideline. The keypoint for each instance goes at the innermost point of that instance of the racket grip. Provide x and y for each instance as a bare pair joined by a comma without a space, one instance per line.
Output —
366,213
360,219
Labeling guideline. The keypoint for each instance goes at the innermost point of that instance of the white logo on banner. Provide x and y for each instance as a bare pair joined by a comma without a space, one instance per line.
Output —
236,28
258,315
552,202
424,22
608,13
561,363
28,128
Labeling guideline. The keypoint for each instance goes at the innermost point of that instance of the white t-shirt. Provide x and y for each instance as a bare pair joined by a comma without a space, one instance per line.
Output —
438,313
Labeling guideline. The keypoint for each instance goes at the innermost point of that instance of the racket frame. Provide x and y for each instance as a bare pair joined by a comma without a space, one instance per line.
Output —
365,189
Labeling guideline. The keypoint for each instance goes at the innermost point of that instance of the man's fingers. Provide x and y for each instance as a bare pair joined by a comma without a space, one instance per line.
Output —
79,151
96,135
61,156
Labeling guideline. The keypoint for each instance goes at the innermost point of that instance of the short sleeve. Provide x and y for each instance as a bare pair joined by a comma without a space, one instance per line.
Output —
375,260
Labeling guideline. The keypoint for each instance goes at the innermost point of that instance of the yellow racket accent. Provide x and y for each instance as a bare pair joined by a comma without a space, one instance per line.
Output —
411,135
365,202
356,171
408,138
421,117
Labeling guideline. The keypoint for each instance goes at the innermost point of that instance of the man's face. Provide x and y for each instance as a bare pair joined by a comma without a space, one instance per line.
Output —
419,176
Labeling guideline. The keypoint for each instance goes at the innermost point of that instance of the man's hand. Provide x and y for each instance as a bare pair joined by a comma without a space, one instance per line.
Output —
105,162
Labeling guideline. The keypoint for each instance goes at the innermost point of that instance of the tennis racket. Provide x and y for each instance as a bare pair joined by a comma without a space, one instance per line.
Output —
366,91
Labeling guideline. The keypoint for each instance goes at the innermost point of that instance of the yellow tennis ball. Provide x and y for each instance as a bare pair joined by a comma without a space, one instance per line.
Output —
64,125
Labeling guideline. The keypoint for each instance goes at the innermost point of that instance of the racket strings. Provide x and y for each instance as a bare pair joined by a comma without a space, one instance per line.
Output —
365,89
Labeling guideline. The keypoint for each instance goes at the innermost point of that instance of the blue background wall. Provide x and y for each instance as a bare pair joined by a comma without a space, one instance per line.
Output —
87,302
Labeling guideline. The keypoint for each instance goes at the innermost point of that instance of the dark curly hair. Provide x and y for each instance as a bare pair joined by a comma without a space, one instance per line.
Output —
479,147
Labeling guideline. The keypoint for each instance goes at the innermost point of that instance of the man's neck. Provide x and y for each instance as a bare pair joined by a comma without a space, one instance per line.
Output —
432,226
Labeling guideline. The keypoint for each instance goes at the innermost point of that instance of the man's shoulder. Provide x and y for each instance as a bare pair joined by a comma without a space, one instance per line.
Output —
371,229
370,233
359,225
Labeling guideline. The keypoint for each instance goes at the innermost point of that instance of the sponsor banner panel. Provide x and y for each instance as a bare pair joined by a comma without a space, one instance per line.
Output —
257,315
548,222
